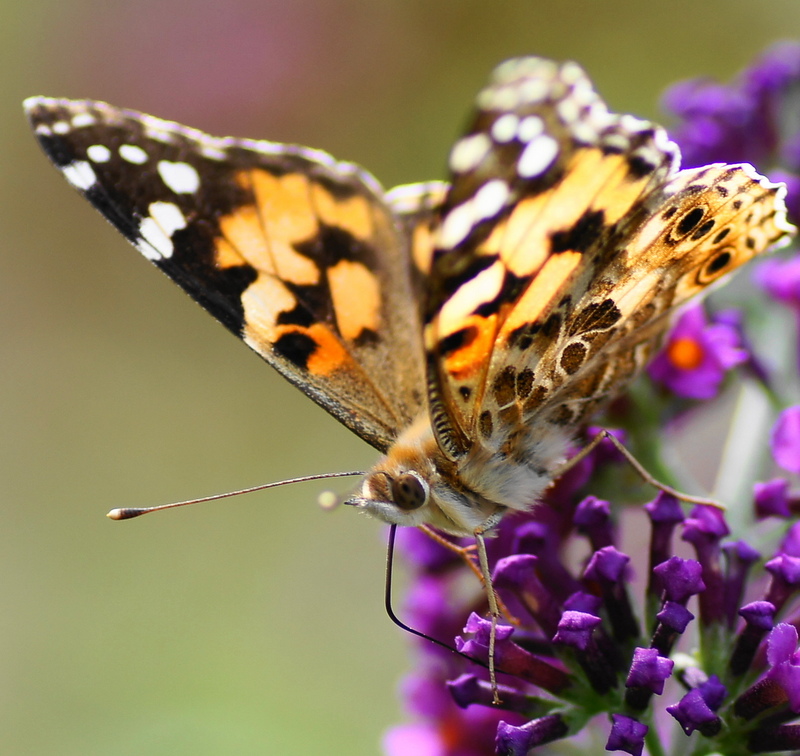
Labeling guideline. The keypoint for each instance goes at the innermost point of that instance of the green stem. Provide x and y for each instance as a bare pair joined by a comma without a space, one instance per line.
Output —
653,741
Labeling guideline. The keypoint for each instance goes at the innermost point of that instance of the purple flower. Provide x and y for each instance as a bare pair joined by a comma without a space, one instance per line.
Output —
785,440
784,658
468,689
680,579
790,545
598,649
697,356
421,739
510,657
442,727
516,579
781,280
593,517
759,614
517,741
693,713
575,629
785,572
649,670
626,735
759,617
772,498
749,120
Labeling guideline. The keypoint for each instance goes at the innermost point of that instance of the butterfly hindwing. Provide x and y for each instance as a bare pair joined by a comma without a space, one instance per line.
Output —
295,253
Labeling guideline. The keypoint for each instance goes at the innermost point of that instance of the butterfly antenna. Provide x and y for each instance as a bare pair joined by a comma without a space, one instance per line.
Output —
127,513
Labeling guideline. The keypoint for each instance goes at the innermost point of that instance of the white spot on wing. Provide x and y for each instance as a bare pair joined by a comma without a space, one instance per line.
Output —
537,157
634,124
534,90
165,219
569,110
469,296
617,141
571,73
488,201
505,128
490,198
530,127
182,178
83,119
133,154
507,98
80,174
456,225
61,127
98,153
468,152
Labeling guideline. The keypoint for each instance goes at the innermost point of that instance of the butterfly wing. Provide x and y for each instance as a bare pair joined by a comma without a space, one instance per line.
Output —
418,208
295,253
711,221
565,239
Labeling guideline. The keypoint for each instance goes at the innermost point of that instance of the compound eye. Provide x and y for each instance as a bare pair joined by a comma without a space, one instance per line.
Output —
409,491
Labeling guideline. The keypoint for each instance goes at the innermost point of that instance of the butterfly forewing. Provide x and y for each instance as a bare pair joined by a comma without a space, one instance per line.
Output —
566,236
295,253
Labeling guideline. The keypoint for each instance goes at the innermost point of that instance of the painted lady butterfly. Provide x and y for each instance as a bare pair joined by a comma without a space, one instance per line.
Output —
465,330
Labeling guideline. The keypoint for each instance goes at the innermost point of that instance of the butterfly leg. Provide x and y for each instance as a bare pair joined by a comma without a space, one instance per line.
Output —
494,610
637,466
467,553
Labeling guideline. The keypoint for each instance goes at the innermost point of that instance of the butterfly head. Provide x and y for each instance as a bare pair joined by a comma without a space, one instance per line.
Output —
402,497
416,484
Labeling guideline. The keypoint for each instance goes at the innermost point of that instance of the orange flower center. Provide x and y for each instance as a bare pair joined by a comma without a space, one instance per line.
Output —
685,353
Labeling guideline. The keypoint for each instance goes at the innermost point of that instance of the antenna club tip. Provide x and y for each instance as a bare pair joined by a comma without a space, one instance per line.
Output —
123,514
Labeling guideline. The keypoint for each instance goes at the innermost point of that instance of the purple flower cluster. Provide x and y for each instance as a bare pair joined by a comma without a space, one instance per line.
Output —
580,646
754,119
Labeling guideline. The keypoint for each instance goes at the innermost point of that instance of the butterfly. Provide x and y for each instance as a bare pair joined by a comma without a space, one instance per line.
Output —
466,330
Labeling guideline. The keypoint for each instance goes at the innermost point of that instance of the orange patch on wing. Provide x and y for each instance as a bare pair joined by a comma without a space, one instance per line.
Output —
466,361
456,312
543,291
285,205
514,241
422,248
226,255
356,298
263,233
607,178
242,230
592,181
329,355
354,214
263,302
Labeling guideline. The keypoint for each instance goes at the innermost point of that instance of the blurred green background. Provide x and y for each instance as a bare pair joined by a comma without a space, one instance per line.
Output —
256,625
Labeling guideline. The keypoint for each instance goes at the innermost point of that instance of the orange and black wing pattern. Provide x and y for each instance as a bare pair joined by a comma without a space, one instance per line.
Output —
566,239
296,253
